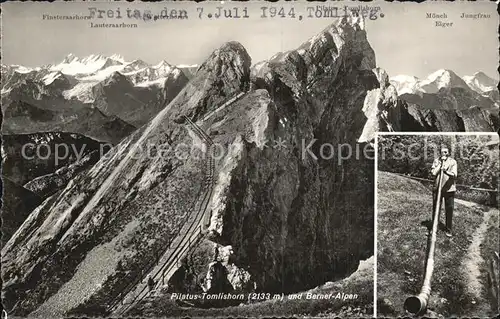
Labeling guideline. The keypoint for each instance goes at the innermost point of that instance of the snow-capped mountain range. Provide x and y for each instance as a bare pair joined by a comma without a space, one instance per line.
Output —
447,79
481,83
126,92
83,73
447,102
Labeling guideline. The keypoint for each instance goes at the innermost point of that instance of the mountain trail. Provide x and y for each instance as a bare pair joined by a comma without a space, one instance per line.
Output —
224,105
473,259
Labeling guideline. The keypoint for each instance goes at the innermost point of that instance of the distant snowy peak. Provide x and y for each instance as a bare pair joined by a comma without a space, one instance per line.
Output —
151,75
188,69
135,65
117,57
23,69
16,75
92,58
163,65
51,77
181,66
69,58
18,69
405,83
163,68
116,78
74,65
480,82
97,67
442,79
59,78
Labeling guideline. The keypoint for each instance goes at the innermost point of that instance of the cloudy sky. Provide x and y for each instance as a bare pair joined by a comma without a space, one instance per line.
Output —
404,40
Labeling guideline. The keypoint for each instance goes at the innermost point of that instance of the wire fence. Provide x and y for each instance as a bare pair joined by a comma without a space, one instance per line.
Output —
458,185
480,195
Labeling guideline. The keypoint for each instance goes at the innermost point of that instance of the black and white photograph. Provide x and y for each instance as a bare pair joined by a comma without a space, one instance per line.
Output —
217,158
438,225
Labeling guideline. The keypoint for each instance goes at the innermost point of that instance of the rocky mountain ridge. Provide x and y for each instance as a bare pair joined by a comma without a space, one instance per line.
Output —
35,166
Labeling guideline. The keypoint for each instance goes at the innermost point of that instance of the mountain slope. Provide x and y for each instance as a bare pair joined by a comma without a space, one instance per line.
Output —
17,204
21,117
27,156
48,184
44,163
136,105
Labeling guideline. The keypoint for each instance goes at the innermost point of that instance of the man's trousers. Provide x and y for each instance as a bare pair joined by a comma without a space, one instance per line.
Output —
449,200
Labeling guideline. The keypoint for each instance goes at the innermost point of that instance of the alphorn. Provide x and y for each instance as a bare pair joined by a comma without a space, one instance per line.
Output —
418,304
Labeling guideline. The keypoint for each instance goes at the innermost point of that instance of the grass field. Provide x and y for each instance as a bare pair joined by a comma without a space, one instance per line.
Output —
404,211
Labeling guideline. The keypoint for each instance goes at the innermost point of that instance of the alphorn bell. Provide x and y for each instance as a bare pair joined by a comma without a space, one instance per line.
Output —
418,304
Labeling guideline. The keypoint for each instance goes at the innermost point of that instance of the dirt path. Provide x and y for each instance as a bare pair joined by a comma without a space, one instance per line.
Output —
473,259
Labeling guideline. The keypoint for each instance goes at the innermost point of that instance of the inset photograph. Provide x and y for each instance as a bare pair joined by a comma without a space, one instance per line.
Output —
437,225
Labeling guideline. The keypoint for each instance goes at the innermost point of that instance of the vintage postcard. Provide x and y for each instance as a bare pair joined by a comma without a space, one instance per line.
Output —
217,158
